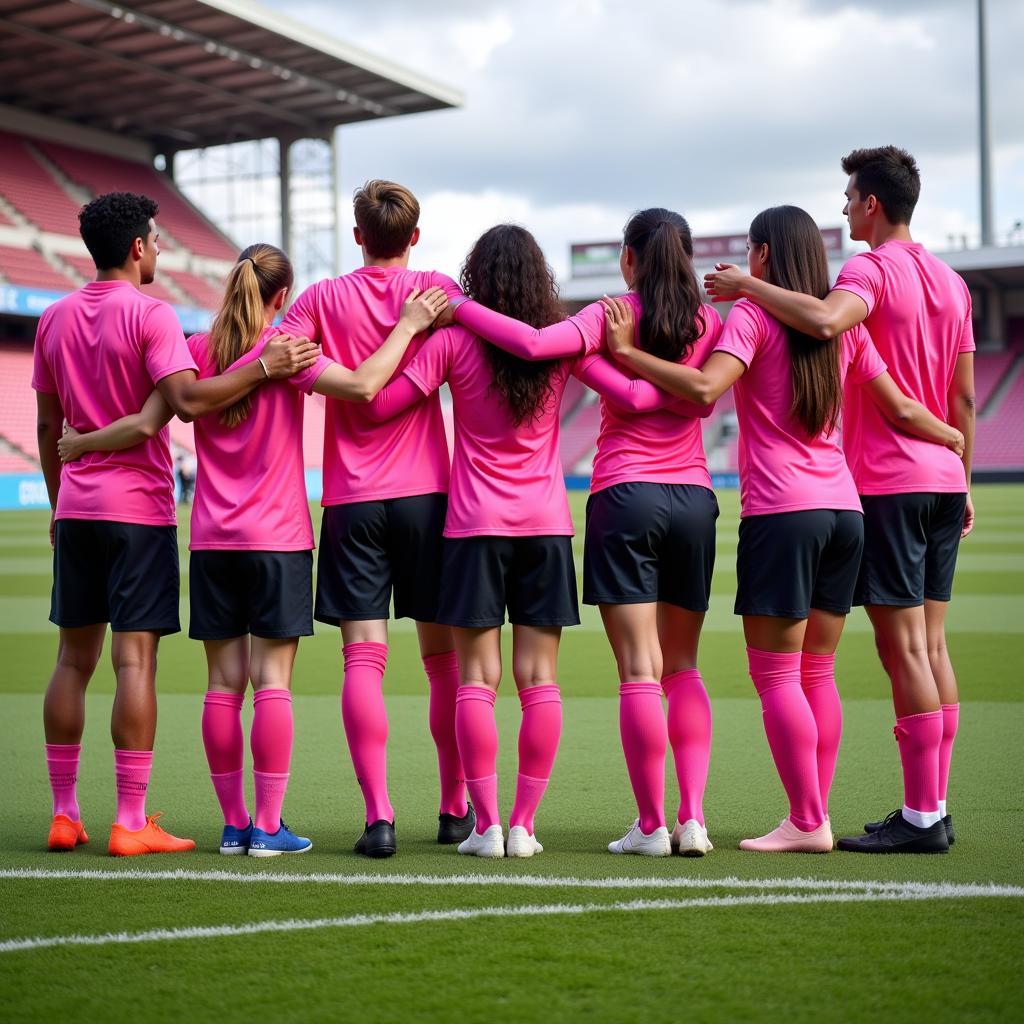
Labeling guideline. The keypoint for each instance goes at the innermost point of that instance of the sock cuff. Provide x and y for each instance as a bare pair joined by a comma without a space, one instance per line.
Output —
272,693
133,760
221,698
951,707
772,669
817,660
923,716
480,693
907,725
484,779
546,693
531,778
227,775
638,689
63,751
773,659
674,679
440,664
365,653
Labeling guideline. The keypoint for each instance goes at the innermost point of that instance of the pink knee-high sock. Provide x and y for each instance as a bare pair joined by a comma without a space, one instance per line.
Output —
644,737
62,765
366,724
225,746
950,724
131,774
919,738
818,679
539,733
271,743
477,734
792,734
443,673
689,735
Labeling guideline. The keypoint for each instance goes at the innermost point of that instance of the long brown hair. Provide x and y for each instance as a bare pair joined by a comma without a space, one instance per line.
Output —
261,272
797,262
672,319
506,271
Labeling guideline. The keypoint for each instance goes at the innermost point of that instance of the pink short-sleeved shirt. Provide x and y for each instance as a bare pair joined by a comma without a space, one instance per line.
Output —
250,482
650,447
506,480
350,317
781,468
102,350
919,318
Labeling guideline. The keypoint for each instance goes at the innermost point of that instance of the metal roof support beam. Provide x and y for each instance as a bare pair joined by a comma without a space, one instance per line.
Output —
284,173
336,197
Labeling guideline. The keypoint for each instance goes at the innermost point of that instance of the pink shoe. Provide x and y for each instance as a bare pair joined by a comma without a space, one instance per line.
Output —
787,838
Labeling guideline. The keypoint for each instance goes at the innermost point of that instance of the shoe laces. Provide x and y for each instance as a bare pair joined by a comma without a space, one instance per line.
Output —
891,818
151,818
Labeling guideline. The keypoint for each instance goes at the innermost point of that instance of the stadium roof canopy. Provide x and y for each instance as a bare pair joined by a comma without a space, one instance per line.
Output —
182,74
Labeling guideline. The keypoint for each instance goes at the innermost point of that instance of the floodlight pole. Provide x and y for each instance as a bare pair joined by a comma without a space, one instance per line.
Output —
984,137
284,175
336,196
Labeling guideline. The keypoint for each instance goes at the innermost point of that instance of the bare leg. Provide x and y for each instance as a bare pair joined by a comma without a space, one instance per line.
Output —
679,637
133,721
271,662
901,637
78,653
633,633
227,664
938,654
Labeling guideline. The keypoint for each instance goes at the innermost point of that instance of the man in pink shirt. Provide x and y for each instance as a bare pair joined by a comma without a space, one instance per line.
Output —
915,495
99,353
385,497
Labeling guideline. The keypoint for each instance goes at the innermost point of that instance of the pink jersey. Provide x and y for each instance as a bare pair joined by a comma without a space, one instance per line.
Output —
350,316
919,317
506,480
102,350
781,468
250,482
661,446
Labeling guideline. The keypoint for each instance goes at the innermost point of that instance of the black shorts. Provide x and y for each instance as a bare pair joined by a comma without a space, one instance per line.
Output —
534,577
265,593
791,562
122,573
650,542
369,548
910,547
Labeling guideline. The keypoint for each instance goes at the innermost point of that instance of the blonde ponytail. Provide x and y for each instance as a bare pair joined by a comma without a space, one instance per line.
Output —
261,271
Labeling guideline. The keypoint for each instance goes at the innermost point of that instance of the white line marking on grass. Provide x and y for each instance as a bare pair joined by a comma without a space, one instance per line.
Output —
508,881
565,909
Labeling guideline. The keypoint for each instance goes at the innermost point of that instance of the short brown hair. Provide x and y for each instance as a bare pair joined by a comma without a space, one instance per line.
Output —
889,174
386,215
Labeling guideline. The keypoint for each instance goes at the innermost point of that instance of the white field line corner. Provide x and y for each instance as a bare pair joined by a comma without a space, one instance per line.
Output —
914,892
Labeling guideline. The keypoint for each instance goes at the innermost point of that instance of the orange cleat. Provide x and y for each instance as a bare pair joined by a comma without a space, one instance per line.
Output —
65,834
151,838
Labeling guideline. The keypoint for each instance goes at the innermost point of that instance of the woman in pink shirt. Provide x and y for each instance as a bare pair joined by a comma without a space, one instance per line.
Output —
801,528
650,540
251,539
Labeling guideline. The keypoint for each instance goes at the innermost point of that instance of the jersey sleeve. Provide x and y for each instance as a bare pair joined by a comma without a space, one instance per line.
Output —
165,349
743,333
559,341
430,366
865,362
301,320
966,343
305,379
590,323
42,374
398,396
451,289
863,277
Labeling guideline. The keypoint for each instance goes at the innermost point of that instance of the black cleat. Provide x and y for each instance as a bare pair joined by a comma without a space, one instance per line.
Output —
451,830
873,826
897,835
378,840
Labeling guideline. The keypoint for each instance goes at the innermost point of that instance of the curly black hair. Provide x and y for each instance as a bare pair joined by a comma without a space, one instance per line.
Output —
506,271
110,223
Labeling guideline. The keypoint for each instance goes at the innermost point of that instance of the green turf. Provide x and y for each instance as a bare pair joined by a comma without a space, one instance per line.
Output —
953,959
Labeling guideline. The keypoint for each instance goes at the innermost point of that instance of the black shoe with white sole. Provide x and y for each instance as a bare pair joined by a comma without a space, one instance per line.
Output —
378,840
897,835
873,826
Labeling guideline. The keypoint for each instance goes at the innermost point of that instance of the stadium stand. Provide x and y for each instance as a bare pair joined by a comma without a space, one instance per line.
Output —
990,369
27,267
579,433
999,441
86,270
28,186
100,173
203,293
17,400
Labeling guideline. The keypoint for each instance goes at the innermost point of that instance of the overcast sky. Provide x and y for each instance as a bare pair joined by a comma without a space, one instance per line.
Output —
578,112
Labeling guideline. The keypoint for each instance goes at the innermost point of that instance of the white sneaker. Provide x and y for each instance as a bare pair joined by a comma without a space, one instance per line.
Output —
634,841
691,839
521,843
490,844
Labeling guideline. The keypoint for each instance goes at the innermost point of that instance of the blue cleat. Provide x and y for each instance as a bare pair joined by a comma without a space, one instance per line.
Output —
273,844
236,840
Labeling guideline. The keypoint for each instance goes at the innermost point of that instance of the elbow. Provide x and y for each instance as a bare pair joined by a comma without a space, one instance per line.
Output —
363,393
149,430
825,328
703,396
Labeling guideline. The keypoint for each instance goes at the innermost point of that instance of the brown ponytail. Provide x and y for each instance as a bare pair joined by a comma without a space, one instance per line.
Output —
797,262
261,271
664,280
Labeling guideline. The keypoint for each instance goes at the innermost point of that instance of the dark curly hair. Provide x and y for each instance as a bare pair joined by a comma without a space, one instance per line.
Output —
110,223
506,271
672,318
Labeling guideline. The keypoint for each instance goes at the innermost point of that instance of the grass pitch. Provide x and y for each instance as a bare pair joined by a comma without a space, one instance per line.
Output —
572,933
